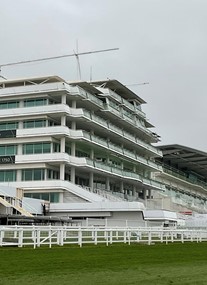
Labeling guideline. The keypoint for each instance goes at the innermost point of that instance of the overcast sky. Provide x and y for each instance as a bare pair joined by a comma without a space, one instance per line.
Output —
163,42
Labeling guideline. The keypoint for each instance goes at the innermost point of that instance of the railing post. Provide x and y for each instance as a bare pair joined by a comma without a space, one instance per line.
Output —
80,237
20,238
149,237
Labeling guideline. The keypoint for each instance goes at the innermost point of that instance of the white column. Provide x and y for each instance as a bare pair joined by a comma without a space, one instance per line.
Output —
91,180
72,174
20,125
62,144
19,149
19,175
62,171
107,183
122,187
73,104
63,99
92,154
63,120
73,125
73,148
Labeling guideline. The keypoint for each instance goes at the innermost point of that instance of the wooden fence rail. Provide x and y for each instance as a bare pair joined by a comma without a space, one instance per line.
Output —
37,236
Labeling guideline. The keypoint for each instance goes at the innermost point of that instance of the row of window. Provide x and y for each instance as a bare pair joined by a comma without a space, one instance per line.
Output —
26,124
26,103
51,196
28,174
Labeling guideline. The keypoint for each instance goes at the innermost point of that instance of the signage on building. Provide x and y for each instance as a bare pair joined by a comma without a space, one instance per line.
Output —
7,159
8,134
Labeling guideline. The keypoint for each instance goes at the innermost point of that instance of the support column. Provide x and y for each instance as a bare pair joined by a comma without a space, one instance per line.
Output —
19,149
122,187
19,175
144,194
72,174
62,144
63,99
73,125
91,181
107,183
149,193
62,171
92,154
73,148
20,125
63,120
73,104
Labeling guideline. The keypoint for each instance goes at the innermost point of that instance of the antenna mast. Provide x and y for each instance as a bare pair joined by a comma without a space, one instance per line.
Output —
76,54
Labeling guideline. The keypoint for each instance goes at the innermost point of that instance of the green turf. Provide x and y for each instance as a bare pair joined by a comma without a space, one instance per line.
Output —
117,264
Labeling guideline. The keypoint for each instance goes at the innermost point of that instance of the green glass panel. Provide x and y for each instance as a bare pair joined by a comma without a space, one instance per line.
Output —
38,148
46,147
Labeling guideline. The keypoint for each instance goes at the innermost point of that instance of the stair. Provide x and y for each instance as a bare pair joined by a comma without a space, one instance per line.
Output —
18,208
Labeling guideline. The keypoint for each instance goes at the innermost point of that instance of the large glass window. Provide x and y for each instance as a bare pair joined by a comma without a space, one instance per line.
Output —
8,150
36,148
8,126
34,124
9,105
7,175
48,196
35,102
33,174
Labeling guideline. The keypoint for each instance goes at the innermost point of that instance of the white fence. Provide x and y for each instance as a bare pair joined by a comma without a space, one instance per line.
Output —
37,236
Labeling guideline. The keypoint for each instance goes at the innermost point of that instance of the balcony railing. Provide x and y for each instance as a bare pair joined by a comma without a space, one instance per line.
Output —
126,174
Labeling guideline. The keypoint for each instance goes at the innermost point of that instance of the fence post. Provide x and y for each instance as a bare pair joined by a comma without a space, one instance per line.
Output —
20,238
80,237
149,237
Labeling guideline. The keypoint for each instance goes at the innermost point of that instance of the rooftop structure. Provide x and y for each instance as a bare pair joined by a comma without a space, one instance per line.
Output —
72,142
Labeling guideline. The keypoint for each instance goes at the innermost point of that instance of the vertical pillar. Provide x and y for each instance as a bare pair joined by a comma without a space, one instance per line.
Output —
20,125
19,149
73,104
92,154
62,171
107,183
63,120
19,175
62,144
122,187
73,125
91,181
63,99
73,148
144,194
149,193
72,174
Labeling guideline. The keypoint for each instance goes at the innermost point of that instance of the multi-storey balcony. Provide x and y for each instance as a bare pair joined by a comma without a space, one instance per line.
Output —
123,102
91,139
183,178
129,121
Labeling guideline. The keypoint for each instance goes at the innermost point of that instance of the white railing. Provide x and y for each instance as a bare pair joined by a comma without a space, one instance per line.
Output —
52,235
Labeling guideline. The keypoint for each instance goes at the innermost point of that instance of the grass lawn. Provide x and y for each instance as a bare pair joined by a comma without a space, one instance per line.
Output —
116,264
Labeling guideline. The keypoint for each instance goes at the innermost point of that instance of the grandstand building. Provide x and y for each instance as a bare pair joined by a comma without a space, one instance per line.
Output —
76,143
185,176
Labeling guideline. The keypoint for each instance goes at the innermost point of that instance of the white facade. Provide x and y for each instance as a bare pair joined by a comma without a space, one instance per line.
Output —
74,143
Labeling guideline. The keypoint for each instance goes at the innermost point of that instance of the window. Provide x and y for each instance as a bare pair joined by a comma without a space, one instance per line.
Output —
35,102
8,126
48,196
7,175
34,124
36,148
9,105
8,150
33,174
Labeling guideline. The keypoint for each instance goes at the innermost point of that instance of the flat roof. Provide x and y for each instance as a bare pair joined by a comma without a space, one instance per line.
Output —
87,86
185,158
30,80
119,88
